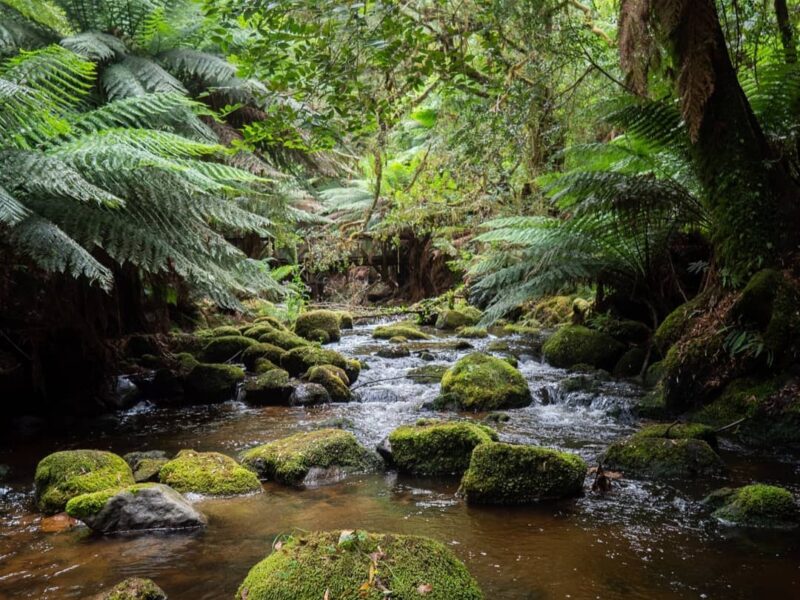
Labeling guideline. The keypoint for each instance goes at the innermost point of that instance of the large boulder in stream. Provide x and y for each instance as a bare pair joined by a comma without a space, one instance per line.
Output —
63,475
408,331
226,348
271,388
663,458
146,465
260,351
576,344
450,320
333,379
133,588
501,473
299,360
140,507
208,473
310,458
318,326
480,382
343,565
210,383
757,505
283,339
432,447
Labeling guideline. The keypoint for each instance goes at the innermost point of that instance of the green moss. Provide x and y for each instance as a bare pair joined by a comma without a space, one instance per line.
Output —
427,373
223,349
208,473
513,474
331,378
437,448
261,350
224,331
679,431
663,458
473,332
450,320
338,565
272,388
300,360
575,344
756,505
262,365
290,459
654,374
63,475
630,363
283,339
256,331
677,324
345,319
212,383
515,329
146,469
481,382
134,588
310,324
552,311
275,323
86,505
409,332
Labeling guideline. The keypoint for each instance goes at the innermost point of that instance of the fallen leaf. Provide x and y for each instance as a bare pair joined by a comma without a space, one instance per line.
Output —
327,595
424,588
58,523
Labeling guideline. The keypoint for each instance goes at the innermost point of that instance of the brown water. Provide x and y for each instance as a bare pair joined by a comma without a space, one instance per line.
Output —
644,540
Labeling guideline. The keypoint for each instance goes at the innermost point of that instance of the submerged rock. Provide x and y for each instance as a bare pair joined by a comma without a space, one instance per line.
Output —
481,382
576,344
135,508
655,457
757,505
333,379
405,330
208,473
271,388
514,474
437,447
63,475
396,351
339,565
321,456
311,323
134,588
210,383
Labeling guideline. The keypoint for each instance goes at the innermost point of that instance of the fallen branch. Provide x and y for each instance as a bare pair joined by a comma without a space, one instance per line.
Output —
731,425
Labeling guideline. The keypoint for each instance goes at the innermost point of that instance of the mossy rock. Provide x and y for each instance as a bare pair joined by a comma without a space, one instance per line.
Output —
695,370
552,311
395,351
450,320
756,505
275,323
309,457
345,319
651,406
223,331
262,365
498,346
180,342
679,431
410,332
283,339
134,588
481,382
63,475
473,333
271,388
209,383
330,377
630,363
437,448
299,360
661,458
654,374
146,465
501,473
261,350
256,331
525,330
399,339
627,331
208,473
427,373
311,324
226,348
677,324
339,565
575,344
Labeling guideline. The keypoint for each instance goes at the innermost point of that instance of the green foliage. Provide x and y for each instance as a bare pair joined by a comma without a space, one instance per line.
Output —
208,473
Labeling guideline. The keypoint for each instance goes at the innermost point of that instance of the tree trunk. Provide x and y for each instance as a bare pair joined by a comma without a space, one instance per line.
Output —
787,32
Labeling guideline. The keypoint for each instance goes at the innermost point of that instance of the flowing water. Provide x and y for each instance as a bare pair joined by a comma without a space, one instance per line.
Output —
643,540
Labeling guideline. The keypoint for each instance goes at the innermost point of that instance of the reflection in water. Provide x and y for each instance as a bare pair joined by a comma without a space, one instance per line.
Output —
645,540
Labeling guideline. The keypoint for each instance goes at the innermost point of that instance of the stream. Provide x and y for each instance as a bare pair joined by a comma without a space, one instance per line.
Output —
643,540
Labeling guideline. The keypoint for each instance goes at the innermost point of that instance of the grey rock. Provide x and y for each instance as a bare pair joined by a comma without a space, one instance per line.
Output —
309,394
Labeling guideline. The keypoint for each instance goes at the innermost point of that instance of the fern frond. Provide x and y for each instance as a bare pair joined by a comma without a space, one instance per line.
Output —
95,46
43,12
135,76
207,69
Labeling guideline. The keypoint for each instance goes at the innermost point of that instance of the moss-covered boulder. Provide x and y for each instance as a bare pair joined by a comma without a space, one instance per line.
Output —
474,333
344,564
209,383
63,475
757,505
133,588
427,374
576,344
271,388
309,324
208,473
283,339
146,465
627,331
630,363
654,374
552,311
437,448
262,365
406,330
272,321
481,382
314,457
226,348
513,474
677,324
299,360
345,319
260,350
679,431
662,458
394,351
330,377
450,320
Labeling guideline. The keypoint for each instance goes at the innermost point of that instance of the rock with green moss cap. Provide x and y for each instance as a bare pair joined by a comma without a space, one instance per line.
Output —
209,383
480,382
654,374
406,330
340,565
757,505
275,323
208,473
630,363
226,348
310,458
450,320
283,339
140,507
679,431
473,332
146,465
311,323
553,310
345,319
63,475
662,458
330,377
395,351
436,447
133,588
257,330
574,344
271,388
677,324
501,473
299,360
261,350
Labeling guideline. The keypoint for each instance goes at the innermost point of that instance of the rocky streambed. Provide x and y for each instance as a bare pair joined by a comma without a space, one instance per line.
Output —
645,538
